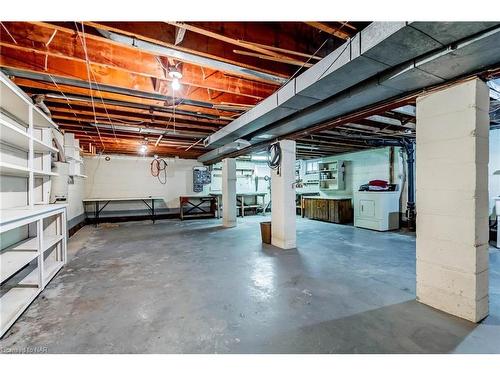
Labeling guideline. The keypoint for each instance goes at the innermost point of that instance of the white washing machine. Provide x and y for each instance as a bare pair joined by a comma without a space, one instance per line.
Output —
377,210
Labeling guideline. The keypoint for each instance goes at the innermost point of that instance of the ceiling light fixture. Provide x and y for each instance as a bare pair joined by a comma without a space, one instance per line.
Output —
143,149
176,75
176,85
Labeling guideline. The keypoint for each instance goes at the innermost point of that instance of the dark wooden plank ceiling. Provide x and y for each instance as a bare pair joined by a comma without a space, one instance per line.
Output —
132,100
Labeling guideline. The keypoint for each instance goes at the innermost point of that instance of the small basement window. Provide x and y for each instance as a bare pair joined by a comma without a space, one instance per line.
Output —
312,166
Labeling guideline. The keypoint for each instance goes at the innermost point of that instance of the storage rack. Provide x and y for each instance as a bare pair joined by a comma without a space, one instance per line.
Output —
331,175
32,231
37,253
72,153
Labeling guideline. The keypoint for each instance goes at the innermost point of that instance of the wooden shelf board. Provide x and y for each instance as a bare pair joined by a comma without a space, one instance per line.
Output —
10,169
12,261
14,136
49,241
39,146
50,270
20,213
13,303
39,173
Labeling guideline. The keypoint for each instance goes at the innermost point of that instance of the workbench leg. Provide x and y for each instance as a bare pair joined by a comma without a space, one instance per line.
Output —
153,210
96,216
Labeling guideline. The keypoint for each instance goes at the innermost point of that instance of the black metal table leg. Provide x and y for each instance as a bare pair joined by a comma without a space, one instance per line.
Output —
153,209
96,214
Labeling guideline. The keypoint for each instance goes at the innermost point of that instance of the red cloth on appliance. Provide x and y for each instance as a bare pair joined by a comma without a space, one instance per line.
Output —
380,183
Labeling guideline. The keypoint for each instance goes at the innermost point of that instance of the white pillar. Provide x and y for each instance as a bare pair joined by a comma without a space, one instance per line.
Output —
229,192
452,199
283,199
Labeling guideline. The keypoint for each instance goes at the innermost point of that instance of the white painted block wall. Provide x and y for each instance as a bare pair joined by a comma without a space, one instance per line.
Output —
494,170
452,200
130,176
362,167
76,192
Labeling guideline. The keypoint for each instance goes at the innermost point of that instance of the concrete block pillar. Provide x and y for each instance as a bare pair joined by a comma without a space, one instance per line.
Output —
229,193
283,227
452,199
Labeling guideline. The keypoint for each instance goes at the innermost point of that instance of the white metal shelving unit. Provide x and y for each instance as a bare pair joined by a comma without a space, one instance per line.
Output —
32,231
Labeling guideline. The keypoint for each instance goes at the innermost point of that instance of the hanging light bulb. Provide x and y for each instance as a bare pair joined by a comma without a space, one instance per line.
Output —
143,149
176,75
176,85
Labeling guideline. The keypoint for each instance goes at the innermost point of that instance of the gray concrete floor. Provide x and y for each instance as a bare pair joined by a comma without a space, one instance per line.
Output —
194,287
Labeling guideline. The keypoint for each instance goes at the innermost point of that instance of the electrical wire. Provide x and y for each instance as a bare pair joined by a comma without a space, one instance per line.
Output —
8,32
274,156
69,105
305,62
159,169
90,82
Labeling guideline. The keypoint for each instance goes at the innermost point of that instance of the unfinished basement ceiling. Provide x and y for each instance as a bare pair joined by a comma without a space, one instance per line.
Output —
109,82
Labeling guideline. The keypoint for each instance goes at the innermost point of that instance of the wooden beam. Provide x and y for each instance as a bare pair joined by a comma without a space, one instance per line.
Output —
59,66
283,50
256,48
347,24
88,117
329,30
105,54
50,102
272,58
66,89
180,133
180,48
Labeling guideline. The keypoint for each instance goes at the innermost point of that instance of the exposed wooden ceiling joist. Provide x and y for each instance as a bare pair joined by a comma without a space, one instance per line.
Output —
322,26
85,78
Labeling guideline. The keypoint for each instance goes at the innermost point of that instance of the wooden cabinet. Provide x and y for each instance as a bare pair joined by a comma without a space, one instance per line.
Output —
333,210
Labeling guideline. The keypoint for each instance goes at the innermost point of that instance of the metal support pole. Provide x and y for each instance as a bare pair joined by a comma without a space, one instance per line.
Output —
410,206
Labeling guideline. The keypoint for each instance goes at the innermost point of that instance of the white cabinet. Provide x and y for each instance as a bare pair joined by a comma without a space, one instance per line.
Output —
377,210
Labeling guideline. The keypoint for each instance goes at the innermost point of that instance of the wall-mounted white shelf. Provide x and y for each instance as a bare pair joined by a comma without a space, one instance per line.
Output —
331,175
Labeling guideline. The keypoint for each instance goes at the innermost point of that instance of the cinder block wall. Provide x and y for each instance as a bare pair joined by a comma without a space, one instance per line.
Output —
130,176
452,200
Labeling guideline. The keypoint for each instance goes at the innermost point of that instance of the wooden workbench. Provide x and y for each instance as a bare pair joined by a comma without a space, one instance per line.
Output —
331,209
